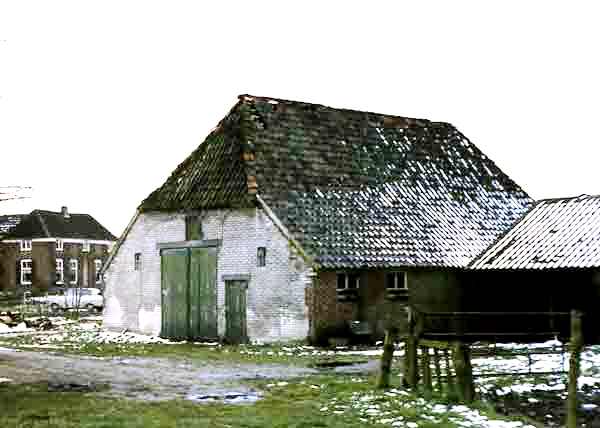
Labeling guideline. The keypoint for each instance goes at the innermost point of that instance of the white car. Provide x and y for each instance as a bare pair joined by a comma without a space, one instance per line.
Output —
88,298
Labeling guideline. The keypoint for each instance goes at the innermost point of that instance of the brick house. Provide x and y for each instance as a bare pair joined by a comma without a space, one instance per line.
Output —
45,249
294,219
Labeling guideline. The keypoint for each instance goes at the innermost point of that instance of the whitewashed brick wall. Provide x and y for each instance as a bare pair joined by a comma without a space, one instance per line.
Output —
132,298
276,307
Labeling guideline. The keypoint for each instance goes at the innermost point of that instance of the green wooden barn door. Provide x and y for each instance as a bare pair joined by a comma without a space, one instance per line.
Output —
235,311
175,289
203,294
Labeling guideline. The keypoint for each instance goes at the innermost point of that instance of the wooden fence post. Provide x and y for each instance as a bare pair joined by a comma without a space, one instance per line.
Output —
464,372
411,365
386,359
449,378
426,364
576,345
438,370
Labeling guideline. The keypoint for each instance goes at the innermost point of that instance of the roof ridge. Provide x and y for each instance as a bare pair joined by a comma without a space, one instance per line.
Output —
569,198
251,98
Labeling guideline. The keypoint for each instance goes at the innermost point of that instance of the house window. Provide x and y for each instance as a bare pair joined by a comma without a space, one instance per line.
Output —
59,245
261,255
25,245
396,281
86,247
396,286
26,271
73,271
193,228
137,261
97,268
348,281
60,271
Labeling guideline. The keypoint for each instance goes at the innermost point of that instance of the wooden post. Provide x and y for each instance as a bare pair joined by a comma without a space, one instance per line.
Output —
386,359
411,365
464,372
425,362
574,362
449,379
438,369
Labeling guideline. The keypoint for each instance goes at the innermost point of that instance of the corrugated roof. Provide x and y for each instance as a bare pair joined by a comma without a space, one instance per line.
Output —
555,234
49,224
356,189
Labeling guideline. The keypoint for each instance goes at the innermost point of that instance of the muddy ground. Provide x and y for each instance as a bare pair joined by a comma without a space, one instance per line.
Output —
152,378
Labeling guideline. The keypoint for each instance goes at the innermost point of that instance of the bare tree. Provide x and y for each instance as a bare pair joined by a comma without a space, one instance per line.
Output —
10,193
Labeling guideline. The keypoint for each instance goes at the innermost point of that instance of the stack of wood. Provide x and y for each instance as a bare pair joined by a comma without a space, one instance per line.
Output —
12,320
9,319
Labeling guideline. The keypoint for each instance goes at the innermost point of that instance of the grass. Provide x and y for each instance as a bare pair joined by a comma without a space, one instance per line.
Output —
274,353
308,402
32,406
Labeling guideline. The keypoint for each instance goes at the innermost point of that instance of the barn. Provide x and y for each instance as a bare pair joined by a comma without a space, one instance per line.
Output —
295,220
548,262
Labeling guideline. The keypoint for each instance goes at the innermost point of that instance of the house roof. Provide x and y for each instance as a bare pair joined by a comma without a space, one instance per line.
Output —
7,222
555,234
356,189
49,224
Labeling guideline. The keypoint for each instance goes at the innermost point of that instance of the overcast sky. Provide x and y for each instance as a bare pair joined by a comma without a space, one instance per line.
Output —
101,100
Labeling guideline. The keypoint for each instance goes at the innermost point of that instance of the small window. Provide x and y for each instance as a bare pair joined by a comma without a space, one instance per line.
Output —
348,281
137,261
60,271
26,271
396,281
193,228
86,247
97,268
25,245
59,245
261,255
73,271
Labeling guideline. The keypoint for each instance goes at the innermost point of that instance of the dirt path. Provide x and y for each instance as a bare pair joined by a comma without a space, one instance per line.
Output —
150,378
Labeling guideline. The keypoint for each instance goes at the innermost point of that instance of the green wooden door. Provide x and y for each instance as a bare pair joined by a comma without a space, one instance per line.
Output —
203,293
235,311
174,290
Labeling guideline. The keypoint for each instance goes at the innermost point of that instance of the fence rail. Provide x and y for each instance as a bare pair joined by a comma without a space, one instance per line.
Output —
455,354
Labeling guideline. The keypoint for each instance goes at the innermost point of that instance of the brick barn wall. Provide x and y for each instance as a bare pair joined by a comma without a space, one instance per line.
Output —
431,290
276,308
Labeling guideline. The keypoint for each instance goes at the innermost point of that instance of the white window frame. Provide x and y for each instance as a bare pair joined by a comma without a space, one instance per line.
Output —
347,281
60,271
25,245
60,245
74,266
397,286
97,267
25,269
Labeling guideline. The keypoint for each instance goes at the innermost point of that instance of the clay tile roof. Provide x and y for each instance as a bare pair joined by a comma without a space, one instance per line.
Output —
356,189
555,234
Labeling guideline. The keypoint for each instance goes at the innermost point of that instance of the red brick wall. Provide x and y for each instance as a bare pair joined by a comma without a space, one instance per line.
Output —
43,255
330,317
